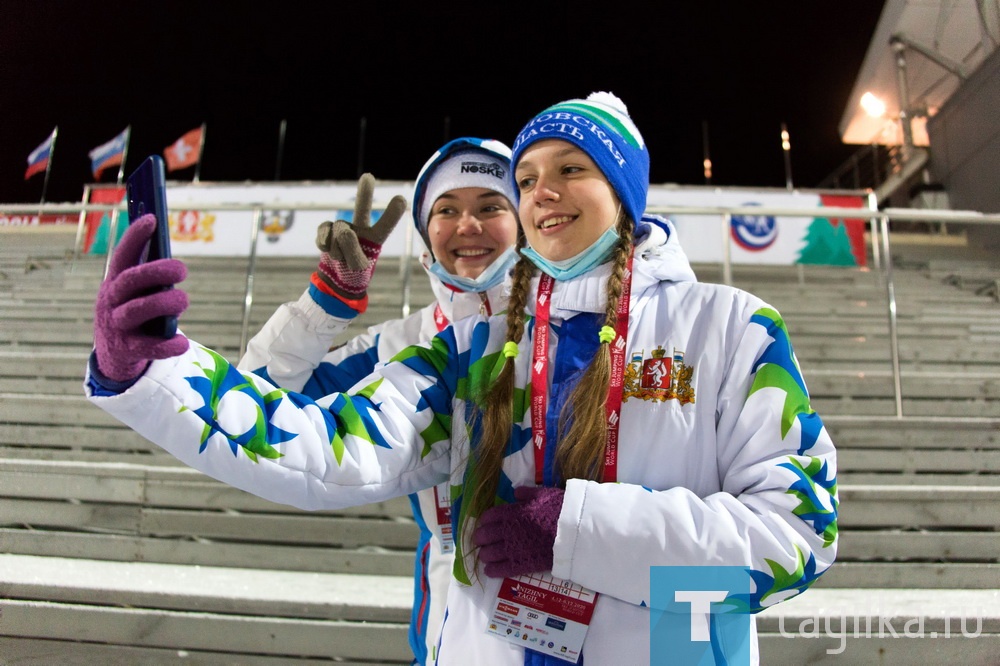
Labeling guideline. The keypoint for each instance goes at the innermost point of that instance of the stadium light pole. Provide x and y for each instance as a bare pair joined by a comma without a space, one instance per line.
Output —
281,148
706,161
786,148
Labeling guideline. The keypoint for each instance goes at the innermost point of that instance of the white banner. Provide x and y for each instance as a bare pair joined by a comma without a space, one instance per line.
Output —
284,232
287,232
764,239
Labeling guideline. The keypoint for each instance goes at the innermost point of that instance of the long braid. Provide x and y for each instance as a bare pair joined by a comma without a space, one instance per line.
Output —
497,412
581,449
582,446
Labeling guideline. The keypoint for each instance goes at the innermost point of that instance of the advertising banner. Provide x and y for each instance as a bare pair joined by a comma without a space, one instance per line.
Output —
284,231
97,225
765,239
287,232
38,220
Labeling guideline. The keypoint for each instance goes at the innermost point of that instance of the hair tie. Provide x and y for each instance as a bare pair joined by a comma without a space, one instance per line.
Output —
510,349
606,334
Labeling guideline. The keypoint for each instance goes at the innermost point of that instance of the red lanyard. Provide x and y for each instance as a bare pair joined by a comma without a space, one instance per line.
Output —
441,321
540,376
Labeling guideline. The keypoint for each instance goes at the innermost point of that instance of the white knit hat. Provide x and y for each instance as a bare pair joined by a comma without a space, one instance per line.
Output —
465,162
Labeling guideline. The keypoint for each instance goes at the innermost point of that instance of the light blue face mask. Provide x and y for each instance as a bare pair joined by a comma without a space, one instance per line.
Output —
567,269
490,277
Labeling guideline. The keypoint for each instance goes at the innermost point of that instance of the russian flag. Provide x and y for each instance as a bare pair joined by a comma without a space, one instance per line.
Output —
108,154
38,160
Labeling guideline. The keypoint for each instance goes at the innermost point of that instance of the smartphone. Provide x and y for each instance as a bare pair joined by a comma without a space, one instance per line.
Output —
146,192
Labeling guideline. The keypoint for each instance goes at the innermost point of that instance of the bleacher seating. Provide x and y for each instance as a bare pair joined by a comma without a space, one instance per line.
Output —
112,550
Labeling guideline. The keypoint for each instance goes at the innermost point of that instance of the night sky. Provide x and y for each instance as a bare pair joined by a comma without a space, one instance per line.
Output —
419,73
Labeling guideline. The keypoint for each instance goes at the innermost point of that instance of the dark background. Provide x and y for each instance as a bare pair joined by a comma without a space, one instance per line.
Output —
418,73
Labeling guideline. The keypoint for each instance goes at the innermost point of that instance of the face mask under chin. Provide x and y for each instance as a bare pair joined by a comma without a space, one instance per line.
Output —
567,269
491,276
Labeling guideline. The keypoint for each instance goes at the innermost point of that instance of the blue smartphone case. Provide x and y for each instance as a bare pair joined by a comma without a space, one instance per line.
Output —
146,192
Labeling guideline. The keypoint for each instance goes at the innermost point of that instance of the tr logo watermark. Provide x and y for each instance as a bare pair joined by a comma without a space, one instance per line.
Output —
698,615
702,616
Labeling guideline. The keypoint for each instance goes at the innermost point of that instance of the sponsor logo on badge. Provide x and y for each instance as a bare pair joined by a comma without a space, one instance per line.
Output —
507,608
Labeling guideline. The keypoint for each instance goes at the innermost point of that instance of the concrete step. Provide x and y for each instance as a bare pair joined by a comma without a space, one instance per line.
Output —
913,431
155,511
907,574
884,407
45,651
263,610
920,461
921,506
882,626
174,514
149,485
141,606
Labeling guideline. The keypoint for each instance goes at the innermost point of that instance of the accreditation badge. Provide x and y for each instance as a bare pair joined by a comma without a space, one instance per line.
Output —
545,614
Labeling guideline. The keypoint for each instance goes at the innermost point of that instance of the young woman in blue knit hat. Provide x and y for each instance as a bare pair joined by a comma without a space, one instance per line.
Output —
464,212
621,417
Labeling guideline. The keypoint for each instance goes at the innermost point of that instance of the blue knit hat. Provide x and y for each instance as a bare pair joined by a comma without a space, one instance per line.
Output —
600,126
463,162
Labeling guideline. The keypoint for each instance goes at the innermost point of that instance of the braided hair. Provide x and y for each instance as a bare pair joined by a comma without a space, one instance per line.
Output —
581,447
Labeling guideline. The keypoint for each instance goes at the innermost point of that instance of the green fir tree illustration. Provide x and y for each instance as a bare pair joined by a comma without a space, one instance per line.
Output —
827,244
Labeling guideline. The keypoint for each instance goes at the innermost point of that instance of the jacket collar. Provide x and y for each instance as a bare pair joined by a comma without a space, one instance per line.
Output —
658,258
460,304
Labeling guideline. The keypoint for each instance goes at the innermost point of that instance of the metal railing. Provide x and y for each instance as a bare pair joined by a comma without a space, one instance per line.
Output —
867,167
879,227
119,211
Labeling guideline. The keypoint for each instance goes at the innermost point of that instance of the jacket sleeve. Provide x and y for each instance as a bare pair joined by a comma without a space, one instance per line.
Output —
292,344
388,438
775,514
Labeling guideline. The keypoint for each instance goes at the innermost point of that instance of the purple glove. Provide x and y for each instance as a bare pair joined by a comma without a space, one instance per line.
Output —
517,538
350,250
131,295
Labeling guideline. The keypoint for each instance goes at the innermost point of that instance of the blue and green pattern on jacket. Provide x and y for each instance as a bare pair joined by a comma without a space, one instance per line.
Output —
779,582
352,415
777,368
222,379
811,508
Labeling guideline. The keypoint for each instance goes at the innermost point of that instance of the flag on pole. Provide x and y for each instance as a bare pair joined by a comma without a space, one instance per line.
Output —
38,160
185,151
108,154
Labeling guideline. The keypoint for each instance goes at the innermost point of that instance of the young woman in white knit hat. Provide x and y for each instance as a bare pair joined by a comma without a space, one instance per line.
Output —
463,210
621,422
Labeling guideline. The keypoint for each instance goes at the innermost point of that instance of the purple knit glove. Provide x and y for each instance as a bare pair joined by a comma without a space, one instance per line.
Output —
350,249
517,538
131,295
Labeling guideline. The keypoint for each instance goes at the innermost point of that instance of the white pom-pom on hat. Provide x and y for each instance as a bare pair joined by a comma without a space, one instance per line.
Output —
613,102
609,99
